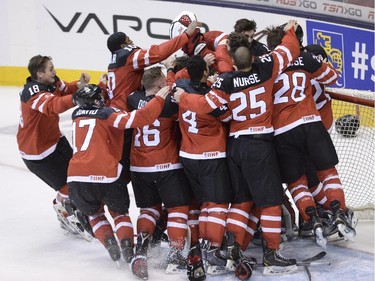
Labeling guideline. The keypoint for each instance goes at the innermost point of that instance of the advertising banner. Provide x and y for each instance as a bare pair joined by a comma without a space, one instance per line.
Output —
350,50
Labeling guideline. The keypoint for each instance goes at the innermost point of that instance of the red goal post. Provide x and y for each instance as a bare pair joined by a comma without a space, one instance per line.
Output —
356,151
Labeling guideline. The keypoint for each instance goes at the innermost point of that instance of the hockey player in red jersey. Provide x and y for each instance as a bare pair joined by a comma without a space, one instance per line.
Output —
202,153
322,99
128,62
95,175
323,103
44,149
251,156
125,71
299,133
158,177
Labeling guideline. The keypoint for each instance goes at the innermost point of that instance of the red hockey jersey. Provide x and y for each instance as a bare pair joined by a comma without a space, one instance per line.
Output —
203,135
293,101
97,140
248,94
38,130
155,146
126,67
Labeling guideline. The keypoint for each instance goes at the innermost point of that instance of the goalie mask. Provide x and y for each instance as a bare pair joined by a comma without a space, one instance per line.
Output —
180,23
89,96
347,125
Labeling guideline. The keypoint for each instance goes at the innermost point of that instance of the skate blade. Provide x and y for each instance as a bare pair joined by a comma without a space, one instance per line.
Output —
354,221
231,265
278,270
199,274
64,222
73,221
174,269
216,270
319,239
348,233
322,242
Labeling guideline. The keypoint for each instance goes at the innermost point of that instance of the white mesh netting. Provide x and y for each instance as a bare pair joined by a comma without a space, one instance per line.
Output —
354,136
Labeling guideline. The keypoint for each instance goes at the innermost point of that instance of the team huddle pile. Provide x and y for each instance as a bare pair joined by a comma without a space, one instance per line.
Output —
207,147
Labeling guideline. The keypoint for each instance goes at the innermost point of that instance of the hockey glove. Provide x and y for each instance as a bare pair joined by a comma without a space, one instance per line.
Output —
244,269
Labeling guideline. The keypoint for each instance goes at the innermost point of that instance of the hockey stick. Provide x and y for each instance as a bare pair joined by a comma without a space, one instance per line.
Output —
308,273
312,261
316,257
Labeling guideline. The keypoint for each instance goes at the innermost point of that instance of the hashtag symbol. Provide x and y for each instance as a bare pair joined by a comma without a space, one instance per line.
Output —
360,57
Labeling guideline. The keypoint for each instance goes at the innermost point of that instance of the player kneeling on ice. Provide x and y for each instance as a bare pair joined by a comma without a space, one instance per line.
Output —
95,175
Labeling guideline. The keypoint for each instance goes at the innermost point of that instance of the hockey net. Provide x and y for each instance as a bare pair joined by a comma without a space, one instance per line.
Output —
355,145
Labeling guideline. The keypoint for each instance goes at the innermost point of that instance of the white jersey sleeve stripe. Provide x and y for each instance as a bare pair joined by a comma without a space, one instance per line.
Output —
218,39
131,119
147,58
220,99
41,106
33,106
135,59
118,119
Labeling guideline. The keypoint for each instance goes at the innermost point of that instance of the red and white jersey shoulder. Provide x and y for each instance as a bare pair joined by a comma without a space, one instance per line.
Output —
126,67
38,130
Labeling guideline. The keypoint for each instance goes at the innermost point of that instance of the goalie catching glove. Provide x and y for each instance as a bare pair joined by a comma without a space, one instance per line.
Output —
244,269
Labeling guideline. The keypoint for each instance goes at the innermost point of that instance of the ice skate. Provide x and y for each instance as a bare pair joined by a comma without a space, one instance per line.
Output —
343,221
317,227
275,263
62,216
66,214
127,248
138,266
216,264
176,262
235,255
113,249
